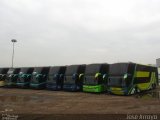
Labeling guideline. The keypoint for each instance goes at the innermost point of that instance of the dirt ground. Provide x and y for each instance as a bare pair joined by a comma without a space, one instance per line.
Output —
28,102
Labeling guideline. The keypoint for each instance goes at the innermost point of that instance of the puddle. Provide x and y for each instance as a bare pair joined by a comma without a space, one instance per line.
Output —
149,95
16,99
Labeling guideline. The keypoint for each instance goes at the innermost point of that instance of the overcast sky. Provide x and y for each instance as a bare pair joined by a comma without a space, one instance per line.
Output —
62,32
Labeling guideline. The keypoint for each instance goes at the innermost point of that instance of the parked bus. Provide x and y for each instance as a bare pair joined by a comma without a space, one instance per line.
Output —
55,78
95,79
73,80
12,77
24,77
39,77
130,78
3,72
159,75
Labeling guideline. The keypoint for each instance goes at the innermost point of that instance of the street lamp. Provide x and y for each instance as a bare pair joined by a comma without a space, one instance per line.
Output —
13,41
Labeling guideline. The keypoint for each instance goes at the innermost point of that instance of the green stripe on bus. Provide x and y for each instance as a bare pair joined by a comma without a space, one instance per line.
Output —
142,74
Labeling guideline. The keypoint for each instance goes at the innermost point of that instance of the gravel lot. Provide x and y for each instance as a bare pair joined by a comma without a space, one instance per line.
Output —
42,103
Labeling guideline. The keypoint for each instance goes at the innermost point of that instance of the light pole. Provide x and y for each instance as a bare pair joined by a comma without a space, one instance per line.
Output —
13,41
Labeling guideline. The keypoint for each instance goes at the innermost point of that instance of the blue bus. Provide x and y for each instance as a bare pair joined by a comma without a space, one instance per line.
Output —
74,76
39,77
56,77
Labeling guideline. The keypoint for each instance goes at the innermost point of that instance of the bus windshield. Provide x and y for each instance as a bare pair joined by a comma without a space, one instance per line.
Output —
11,71
54,70
37,78
69,80
116,81
51,78
118,69
92,69
37,70
90,80
24,70
71,70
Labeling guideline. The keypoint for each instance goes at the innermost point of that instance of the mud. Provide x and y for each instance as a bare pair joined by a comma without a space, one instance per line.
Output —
154,94
43,102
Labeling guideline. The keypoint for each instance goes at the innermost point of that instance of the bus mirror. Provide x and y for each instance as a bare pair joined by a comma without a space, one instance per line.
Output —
81,76
97,75
125,76
104,76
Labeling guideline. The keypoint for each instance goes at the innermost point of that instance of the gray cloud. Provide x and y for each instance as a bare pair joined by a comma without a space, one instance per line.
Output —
59,32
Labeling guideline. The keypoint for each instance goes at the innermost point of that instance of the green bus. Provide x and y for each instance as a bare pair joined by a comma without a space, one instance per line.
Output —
3,72
39,77
12,77
131,78
24,77
95,79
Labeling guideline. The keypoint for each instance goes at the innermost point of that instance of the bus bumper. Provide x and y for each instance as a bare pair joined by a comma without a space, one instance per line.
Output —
20,84
2,83
38,85
117,91
54,87
94,89
10,84
72,88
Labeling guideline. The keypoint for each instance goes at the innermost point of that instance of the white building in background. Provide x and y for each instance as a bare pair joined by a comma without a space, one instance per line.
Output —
158,65
158,62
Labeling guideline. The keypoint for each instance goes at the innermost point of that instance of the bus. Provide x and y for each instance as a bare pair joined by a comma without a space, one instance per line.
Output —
24,77
3,72
131,78
55,78
73,80
39,77
12,77
159,75
95,79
